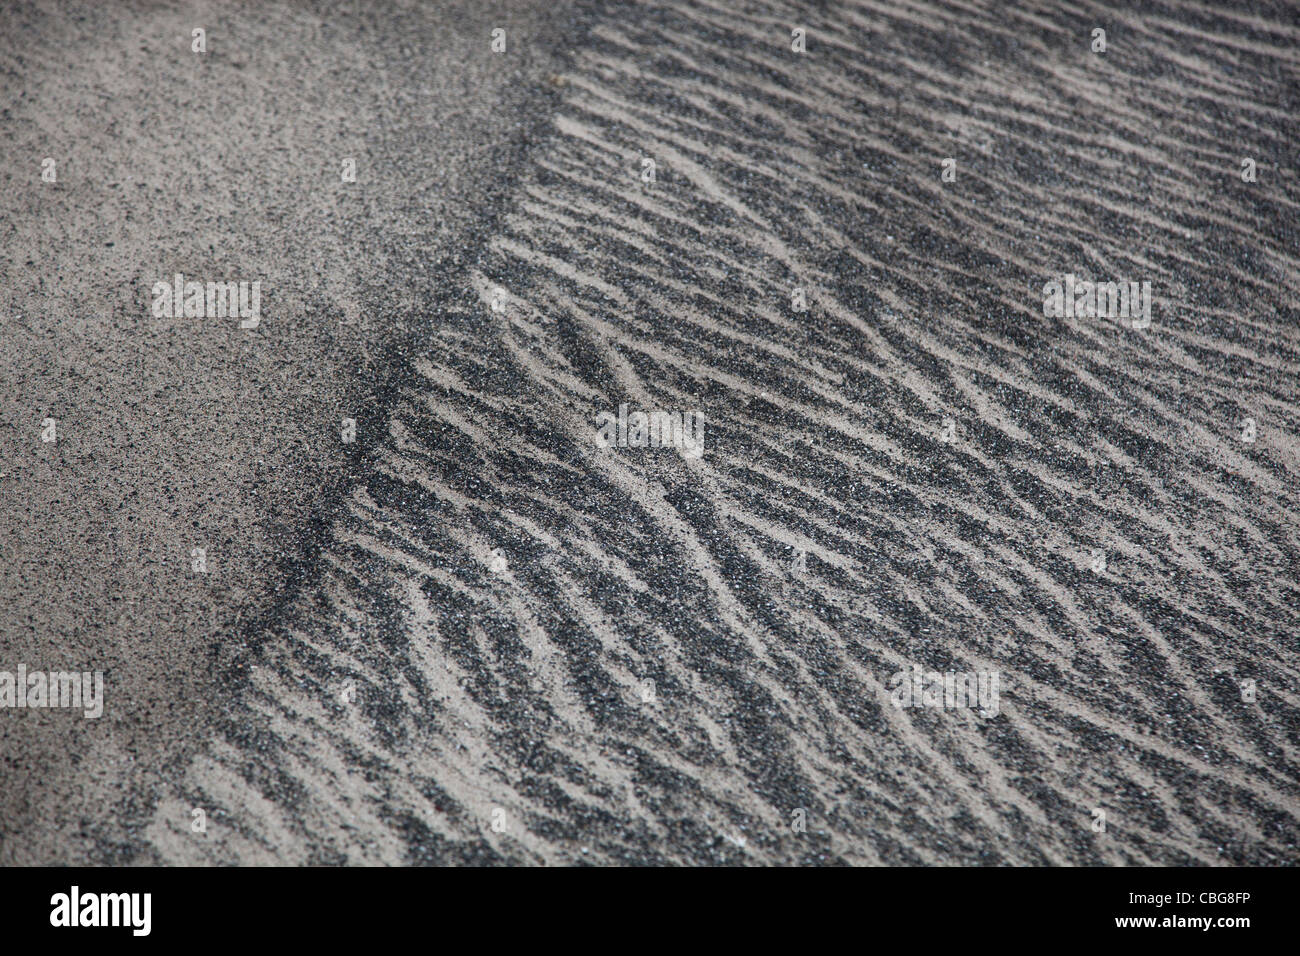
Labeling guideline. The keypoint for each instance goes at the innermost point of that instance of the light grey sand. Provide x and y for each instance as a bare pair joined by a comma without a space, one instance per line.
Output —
490,639
183,433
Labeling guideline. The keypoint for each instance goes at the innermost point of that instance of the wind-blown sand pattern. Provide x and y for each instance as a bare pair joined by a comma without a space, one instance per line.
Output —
457,672
519,688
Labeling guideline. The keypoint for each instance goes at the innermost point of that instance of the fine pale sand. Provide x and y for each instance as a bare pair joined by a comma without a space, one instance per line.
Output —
477,636
175,434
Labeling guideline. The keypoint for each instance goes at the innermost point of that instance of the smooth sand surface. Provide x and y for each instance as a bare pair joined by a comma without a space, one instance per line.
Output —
175,433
